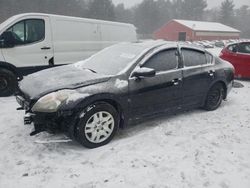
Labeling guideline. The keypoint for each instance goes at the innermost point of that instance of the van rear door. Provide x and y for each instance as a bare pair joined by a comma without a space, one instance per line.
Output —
33,43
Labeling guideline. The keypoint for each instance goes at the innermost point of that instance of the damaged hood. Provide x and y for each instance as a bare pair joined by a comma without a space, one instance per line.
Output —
64,77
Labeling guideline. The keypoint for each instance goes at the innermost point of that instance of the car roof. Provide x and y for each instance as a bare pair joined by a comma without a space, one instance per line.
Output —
148,45
192,46
240,42
165,44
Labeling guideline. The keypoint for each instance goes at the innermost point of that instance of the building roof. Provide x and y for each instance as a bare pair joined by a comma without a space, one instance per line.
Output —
207,26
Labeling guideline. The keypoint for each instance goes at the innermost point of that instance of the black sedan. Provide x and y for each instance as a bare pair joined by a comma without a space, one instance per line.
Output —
92,99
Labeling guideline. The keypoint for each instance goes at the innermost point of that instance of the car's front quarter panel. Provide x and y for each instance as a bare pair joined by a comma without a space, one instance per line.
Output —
115,89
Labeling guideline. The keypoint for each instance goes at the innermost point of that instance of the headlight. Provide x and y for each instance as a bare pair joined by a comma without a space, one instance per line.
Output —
51,102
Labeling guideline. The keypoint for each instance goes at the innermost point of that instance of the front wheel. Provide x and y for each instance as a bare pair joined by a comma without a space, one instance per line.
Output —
97,125
214,97
8,83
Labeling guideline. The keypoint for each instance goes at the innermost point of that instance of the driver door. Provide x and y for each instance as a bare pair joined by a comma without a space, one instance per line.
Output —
161,92
32,43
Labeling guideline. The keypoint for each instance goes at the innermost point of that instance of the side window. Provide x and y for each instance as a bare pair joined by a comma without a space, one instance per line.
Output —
244,48
193,57
163,61
18,30
209,58
28,31
232,48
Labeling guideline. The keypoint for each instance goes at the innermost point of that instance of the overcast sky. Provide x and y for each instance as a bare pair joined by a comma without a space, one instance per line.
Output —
211,3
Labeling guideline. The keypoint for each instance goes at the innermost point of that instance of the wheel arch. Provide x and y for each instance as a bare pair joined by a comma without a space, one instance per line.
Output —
10,67
214,83
223,83
118,108
107,98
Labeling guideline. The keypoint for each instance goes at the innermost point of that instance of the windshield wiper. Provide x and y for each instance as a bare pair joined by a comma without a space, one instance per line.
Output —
91,70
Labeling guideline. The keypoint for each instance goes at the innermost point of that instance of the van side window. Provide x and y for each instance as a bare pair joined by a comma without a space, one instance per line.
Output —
28,31
163,61
193,57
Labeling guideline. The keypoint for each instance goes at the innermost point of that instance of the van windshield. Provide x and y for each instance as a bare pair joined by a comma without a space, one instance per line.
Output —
112,60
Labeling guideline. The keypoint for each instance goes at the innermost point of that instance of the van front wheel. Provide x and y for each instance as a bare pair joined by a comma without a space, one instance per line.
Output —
8,83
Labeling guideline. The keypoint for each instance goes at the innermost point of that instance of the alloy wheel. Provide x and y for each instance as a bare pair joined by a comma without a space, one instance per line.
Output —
99,127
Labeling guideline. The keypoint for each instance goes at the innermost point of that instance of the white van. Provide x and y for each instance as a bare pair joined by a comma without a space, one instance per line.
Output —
34,41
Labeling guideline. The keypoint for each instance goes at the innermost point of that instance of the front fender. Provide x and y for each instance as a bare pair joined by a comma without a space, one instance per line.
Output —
119,102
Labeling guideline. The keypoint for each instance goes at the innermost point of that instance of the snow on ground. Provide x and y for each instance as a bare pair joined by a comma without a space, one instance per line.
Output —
191,149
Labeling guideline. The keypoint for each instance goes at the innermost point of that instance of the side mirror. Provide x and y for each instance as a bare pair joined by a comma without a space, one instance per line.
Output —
144,72
7,40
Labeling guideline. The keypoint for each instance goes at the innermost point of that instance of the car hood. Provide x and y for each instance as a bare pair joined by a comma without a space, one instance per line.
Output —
64,77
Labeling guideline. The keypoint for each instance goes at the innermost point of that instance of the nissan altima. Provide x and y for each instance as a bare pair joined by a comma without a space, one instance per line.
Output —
90,100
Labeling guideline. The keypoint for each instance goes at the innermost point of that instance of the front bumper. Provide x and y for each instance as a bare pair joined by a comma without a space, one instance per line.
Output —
49,122
23,103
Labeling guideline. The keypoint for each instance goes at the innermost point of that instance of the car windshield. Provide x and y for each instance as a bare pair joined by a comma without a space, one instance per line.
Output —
112,60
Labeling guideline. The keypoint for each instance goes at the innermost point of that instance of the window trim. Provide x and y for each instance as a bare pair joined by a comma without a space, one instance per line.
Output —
213,58
24,20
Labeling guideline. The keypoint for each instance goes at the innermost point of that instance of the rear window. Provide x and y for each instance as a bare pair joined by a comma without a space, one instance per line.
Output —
209,58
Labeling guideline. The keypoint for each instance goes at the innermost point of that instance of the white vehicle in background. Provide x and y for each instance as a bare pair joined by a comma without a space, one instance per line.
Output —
33,41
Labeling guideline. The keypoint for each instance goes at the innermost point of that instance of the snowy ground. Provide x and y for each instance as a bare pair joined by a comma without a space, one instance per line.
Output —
192,149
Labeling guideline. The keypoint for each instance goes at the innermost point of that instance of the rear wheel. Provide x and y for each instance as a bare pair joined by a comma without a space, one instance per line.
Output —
97,125
8,83
214,97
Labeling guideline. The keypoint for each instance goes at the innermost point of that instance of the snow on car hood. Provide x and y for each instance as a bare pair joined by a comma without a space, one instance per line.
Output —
63,77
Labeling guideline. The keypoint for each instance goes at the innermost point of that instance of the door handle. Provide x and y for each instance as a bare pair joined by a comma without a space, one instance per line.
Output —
211,73
45,48
176,81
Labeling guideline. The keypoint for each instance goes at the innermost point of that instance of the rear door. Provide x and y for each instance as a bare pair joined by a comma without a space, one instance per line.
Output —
33,43
159,93
230,54
243,59
194,78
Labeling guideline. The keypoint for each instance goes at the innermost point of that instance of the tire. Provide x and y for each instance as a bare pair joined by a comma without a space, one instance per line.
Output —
97,125
8,83
214,97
